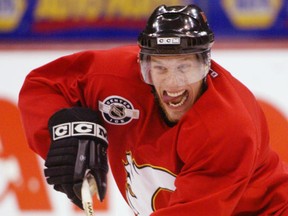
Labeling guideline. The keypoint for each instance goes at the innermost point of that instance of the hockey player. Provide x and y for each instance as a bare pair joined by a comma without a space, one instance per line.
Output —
184,137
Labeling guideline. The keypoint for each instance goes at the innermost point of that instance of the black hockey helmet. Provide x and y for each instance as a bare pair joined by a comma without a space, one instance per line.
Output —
176,30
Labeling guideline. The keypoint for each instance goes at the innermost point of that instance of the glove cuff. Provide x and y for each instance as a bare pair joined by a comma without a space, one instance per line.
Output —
76,122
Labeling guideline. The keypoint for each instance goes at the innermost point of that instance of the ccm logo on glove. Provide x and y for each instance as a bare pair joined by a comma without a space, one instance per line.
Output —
71,129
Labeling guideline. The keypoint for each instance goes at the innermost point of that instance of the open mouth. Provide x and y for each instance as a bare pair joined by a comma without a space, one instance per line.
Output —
175,99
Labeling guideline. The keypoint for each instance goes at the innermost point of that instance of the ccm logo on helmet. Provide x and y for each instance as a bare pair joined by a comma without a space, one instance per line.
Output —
79,129
168,40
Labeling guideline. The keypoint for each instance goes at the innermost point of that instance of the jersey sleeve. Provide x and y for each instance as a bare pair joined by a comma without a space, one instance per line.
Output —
56,85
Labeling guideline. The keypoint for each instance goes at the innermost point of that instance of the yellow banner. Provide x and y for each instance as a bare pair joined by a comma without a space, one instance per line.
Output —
247,14
89,10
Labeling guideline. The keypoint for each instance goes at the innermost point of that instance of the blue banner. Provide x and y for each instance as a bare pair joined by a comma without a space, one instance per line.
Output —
124,19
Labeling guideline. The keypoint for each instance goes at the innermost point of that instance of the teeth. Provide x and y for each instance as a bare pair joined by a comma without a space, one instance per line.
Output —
178,104
175,94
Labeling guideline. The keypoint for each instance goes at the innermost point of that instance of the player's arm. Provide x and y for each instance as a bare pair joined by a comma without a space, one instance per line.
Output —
45,91
54,93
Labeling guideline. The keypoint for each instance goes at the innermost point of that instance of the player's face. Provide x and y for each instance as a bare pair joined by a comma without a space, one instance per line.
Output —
170,77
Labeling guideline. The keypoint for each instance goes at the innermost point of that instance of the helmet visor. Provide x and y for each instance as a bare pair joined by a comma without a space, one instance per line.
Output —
181,69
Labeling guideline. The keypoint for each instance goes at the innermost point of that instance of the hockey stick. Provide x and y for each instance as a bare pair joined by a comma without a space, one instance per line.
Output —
87,191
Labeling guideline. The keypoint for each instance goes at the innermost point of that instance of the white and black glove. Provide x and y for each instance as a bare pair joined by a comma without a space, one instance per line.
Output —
78,143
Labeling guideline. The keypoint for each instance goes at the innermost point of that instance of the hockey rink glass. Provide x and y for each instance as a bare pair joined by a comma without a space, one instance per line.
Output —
178,69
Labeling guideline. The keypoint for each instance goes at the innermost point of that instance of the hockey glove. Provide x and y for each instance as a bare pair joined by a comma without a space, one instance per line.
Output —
78,143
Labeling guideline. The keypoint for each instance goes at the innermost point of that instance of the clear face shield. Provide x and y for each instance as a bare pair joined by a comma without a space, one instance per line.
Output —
181,70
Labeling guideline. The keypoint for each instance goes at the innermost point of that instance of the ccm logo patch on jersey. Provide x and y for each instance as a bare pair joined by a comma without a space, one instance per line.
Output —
118,110
77,129
168,40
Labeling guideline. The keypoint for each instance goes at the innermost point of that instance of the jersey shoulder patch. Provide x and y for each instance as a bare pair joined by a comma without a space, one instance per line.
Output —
117,110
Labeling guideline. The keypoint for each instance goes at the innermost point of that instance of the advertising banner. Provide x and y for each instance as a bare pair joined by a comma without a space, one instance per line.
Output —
124,19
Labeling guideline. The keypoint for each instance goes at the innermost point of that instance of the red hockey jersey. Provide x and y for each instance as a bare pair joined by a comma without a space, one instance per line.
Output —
215,161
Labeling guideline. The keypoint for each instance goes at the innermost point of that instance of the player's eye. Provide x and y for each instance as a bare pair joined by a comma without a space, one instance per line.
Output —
184,68
159,69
